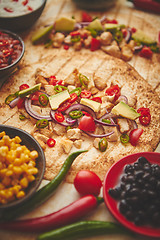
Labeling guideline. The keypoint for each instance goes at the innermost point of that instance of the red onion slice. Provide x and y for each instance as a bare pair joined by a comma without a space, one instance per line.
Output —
80,107
32,113
128,36
14,102
98,135
69,121
123,98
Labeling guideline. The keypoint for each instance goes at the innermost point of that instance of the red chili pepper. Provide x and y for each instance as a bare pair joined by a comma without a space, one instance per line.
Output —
59,117
25,2
64,216
147,5
23,86
114,21
95,44
97,99
145,117
66,47
51,142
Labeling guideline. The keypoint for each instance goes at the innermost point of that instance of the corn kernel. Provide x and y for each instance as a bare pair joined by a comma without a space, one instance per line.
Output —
31,178
32,171
17,170
34,154
20,194
16,139
2,134
24,182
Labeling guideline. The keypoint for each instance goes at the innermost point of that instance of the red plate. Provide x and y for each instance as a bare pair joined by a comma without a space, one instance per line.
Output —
111,180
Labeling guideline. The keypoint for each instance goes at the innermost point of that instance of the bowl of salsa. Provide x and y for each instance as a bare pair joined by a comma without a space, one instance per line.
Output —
11,51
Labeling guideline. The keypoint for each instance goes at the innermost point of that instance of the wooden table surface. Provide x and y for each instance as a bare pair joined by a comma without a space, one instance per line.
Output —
149,69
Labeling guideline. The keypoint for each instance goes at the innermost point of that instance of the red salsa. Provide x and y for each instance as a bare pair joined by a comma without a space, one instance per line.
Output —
10,49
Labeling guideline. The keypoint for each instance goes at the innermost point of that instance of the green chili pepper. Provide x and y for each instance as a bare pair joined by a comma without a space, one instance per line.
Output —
84,229
75,39
43,99
93,32
60,88
10,98
124,138
75,114
83,80
22,117
68,127
103,144
118,36
42,123
106,120
44,193
48,44
77,90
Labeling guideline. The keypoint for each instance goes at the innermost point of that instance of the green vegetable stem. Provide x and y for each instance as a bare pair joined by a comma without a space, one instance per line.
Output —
44,193
83,229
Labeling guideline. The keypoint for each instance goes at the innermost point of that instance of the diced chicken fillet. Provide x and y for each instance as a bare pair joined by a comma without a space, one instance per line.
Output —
127,53
74,134
87,42
59,130
96,143
106,38
112,50
66,145
42,80
78,143
123,125
49,89
58,39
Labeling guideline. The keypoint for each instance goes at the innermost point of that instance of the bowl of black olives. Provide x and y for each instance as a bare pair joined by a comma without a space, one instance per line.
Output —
132,192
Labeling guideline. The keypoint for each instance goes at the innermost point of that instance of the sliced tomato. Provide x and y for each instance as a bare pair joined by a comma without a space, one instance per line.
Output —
23,86
59,117
87,124
35,96
146,52
97,99
95,44
63,107
113,90
51,142
113,21
86,113
20,103
145,117
135,135
73,97
85,94
86,17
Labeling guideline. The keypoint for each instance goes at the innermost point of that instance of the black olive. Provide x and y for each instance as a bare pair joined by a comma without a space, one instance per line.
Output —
147,167
136,166
139,174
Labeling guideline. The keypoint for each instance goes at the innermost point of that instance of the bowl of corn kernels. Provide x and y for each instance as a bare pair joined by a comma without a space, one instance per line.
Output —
22,166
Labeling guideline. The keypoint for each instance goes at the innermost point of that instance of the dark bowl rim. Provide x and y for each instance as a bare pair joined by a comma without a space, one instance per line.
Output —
43,159
27,14
15,35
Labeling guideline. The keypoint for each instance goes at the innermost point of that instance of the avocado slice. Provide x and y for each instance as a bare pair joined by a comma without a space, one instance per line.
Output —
141,37
126,111
65,24
56,99
90,103
112,26
25,92
41,34
96,25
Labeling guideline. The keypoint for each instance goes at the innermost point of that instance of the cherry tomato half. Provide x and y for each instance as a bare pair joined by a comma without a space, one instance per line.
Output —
20,103
135,135
87,124
86,17
35,96
85,94
87,182
53,81
97,99
59,117
23,86
146,52
95,44
113,90
51,142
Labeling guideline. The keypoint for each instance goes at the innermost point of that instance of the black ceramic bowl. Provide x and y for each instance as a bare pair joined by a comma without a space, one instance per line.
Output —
31,144
10,68
22,22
